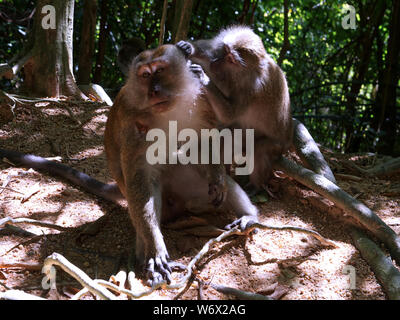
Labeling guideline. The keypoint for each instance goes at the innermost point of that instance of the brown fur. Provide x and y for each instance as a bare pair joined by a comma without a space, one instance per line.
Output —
247,90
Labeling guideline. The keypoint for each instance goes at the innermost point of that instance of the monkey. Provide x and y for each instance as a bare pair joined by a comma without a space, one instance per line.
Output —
129,50
162,87
247,89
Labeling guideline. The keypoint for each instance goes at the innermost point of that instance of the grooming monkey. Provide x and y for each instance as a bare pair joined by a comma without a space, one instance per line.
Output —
161,87
247,90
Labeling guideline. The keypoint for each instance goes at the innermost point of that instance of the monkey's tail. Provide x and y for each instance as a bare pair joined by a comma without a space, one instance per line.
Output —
109,192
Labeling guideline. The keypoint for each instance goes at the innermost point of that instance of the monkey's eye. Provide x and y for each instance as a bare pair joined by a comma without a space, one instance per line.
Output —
146,74
159,70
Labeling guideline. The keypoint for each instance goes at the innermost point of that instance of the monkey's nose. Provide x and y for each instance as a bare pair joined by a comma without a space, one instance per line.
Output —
155,90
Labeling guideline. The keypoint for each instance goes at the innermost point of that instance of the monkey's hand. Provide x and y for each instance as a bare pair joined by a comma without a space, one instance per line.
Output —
243,223
186,48
198,71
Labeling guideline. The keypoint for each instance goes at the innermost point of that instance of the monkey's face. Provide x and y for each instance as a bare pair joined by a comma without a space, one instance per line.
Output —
225,67
159,77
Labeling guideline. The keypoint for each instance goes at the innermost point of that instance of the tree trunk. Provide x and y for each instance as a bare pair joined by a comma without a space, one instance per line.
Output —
375,14
102,41
286,44
48,72
183,11
86,49
385,103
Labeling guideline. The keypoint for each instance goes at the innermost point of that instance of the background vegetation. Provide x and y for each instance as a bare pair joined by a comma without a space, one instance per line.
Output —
344,83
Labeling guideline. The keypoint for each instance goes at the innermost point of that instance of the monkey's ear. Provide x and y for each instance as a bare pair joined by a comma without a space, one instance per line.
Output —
230,55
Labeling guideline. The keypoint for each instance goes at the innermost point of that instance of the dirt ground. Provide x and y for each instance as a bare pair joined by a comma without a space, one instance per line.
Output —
100,241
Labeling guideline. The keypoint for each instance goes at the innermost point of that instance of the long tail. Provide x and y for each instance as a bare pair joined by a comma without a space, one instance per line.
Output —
109,192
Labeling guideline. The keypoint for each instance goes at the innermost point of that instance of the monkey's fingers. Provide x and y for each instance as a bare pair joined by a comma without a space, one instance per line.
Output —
185,47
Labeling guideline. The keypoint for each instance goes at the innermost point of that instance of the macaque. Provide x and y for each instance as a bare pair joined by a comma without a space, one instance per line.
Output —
129,50
162,87
247,89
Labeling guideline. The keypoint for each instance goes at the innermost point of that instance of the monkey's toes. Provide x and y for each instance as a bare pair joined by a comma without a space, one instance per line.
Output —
243,223
158,271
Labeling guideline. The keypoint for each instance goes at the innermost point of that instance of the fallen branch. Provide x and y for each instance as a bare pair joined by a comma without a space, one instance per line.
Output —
78,274
308,151
33,222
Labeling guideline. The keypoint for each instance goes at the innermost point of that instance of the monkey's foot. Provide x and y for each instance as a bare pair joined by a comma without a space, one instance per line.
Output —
159,270
243,223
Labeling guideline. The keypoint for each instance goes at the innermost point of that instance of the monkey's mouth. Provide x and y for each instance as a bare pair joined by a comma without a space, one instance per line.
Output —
159,105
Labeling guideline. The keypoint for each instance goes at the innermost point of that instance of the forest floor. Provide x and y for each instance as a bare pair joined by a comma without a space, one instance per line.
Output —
282,264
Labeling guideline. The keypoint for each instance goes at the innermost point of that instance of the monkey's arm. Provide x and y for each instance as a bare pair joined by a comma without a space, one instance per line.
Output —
223,108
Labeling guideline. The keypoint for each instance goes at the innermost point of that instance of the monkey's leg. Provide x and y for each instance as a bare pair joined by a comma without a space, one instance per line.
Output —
238,201
266,153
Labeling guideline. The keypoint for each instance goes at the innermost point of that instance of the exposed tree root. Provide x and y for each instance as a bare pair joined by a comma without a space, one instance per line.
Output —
382,266
324,184
309,153
357,210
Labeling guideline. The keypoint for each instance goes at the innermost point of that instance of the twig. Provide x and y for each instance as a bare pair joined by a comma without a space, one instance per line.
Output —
78,274
243,295
18,295
9,229
19,265
315,234
33,222
35,189
348,177
10,189
36,237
